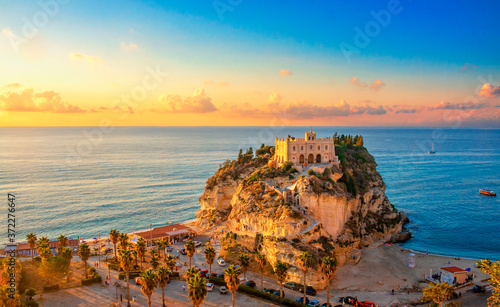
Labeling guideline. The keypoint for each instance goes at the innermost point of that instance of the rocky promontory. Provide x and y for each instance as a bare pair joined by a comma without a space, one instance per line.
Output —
333,209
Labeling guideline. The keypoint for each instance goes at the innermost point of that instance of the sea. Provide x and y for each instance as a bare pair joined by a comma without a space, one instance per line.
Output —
84,181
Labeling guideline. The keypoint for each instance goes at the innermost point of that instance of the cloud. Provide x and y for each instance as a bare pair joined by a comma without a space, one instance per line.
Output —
7,32
14,85
376,85
85,57
208,82
443,105
406,111
469,66
114,109
26,100
275,98
211,82
199,102
223,83
129,46
355,81
487,90
285,72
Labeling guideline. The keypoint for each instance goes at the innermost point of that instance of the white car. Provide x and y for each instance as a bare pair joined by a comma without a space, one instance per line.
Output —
221,262
210,287
197,243
243,280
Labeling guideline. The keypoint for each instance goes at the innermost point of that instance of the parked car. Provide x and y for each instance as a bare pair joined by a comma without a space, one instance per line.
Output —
214,275
223,290
250,283
137,280
314,303
221,262
203,273
293,285
220,276
301,300
348,300
243,280
309,290
210,287
269,290
197,243
182,251
277,293
478,289
328,305
366,304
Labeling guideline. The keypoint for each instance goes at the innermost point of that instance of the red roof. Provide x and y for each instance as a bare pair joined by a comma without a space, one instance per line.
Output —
160,232
454,269
52,244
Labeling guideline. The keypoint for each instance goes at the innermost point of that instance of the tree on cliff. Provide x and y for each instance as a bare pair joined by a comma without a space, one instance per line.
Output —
328,268
305,263
244,262
281,270
210,257
190,248
113,236
492,269
261,260
232,279
437,293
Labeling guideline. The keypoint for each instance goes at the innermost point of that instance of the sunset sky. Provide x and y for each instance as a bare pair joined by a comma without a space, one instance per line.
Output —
251,63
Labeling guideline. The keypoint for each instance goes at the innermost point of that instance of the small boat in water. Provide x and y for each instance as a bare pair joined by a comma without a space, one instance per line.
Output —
432,150
489,193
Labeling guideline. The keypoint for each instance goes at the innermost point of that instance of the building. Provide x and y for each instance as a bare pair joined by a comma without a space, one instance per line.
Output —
305,151
454,275
169,232
24,250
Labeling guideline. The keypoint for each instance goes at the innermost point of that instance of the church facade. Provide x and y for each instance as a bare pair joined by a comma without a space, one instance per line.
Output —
309,150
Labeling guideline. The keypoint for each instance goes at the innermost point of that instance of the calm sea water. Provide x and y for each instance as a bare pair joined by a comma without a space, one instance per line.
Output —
68,183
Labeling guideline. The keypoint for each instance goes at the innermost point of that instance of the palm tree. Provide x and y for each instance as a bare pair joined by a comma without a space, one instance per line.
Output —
159,246
62,241
113,236
305,262
154,262
84,253
261,260
123,238
126,263
190,273
328,268
197,290
67,254
166,245
163,279
209,257
42,247
149,282
232,279
244,261
134,254
31,239
190,249
280,270
170,263
140,247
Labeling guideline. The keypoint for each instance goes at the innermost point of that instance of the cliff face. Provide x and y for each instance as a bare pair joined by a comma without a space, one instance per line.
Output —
280,212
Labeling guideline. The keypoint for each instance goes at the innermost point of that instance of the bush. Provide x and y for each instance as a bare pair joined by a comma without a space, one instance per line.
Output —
269,296
30,304
92,280
131,274
311,172
217,281
51,288
174,275
30,292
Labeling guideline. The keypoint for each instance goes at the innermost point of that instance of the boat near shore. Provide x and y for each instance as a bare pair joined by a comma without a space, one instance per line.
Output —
488,193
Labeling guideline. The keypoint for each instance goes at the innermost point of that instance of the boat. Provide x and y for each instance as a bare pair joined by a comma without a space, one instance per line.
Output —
432,150
488,193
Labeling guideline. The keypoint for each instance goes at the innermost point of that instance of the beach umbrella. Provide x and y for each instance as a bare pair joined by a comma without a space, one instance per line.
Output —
467,269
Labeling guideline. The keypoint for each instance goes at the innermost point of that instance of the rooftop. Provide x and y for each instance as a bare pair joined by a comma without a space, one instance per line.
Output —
453,269
163,231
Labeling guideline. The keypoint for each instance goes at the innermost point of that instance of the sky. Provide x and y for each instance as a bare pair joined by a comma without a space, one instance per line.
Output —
250,63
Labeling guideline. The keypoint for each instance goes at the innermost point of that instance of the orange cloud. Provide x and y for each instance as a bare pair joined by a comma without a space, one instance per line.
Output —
285,72
14,85
199,102
356,82
275,98
376,85
26,100
85,57
487,90
444,105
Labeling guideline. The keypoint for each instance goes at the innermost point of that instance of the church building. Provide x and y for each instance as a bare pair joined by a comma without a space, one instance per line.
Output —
305,151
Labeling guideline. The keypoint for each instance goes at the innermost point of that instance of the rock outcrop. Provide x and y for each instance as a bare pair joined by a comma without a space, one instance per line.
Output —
277,211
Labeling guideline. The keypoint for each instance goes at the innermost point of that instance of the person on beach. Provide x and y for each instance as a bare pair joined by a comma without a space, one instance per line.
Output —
183,288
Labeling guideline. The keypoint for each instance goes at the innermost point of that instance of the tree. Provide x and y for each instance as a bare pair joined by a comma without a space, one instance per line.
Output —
210,257
53,268
232,279
113,236
305,262
123,238
29,293
197,290
190,249
154,262
328,268
280,270
190,273
170,263
84,254
163,275
62,241
492,269
244,261
165,244
140,247
126,263
67,254
31,239
134,254
42,247
149,282
261,261
437,293
159,246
